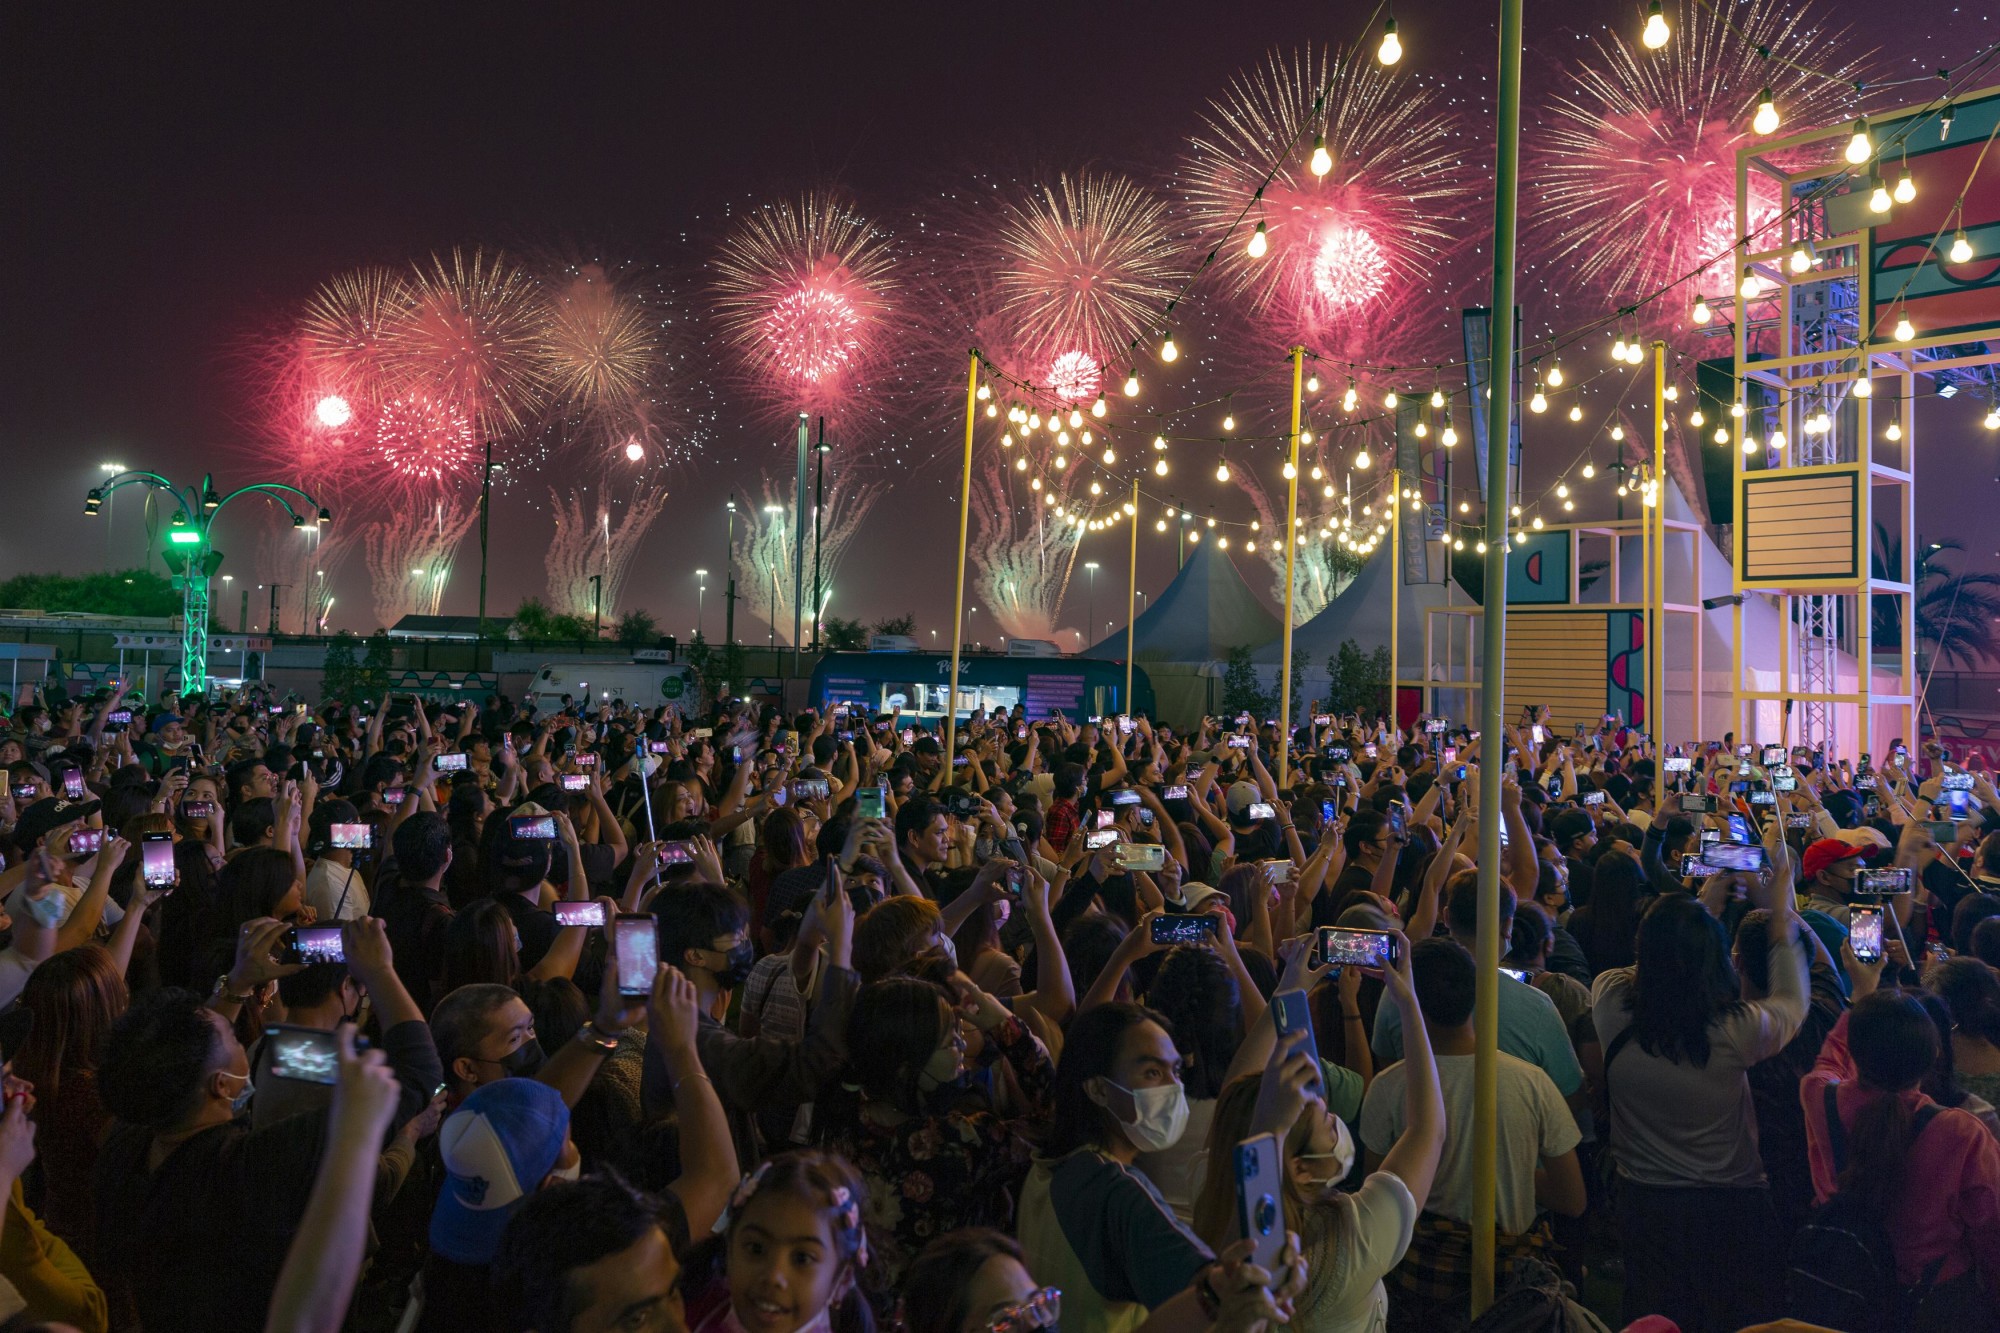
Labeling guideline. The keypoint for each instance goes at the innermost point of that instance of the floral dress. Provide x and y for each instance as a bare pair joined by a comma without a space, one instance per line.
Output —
934,1174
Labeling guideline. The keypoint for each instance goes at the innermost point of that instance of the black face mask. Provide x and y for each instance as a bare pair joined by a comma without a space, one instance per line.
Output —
737,971
524,1061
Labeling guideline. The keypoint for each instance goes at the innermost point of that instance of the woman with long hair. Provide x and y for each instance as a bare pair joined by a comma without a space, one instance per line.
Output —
72,1000
1607,926
1930,1173
781,846
1678,1045
973,1281
931,1165
1971,991
467,812
1350,1240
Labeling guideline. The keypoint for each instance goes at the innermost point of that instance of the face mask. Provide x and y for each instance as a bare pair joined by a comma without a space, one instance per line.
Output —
1342,1156
524,1061
737,971
574,1171
1163,1116
241,1101
49,909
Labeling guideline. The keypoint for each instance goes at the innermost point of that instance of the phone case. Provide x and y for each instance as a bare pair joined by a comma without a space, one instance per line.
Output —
1258,1190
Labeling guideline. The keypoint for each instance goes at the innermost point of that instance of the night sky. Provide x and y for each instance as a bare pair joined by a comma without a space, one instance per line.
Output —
180,178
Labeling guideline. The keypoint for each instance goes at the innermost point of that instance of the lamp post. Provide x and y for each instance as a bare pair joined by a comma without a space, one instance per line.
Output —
109,470
700,598
729,564
596,605
271,618
191,557
819,503
777,514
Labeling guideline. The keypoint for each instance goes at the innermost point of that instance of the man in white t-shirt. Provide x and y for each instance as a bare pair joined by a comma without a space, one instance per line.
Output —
1537,1132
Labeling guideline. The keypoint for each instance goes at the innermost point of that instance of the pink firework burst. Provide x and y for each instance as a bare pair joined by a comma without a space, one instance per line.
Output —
346,327
1085,266
468,333
423,440
1638,159
803,294
1340,246
1075,375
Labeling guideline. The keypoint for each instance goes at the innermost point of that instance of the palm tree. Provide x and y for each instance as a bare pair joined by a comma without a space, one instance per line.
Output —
1957,614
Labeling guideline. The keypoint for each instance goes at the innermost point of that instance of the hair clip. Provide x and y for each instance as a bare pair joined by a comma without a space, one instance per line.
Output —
741,1195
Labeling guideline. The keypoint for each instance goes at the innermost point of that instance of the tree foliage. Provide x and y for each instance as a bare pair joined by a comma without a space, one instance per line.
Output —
1957,614
903,624
340,676
124,592
1359,681
843,636
534,620
637,628
1242,690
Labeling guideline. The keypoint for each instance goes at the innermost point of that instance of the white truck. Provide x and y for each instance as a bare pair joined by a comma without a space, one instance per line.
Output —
644,684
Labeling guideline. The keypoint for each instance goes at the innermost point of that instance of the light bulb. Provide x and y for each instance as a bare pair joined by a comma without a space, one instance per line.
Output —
1777,439
985,392
1458,543
1904,329
1020,465
1576,412
1159,525
1464,506
1420,430
1318,473
1618,432
1961,249
1802,257
1322,161
1537,525
1863,387
1389,400
635,451
1993,419
1636,354
1878,198
1062,437
1702,313
1034,421
1098,408
1539,403
1589,471
1722,435
1736,410
1894,432
1131,384
1750,284
1110,457
1437,397
1160,442
1520,539
1075,417
1618,349
1305,437
1906,188
992,409
1361,459
1229,421
1562,490
1290,472
1450,436
1569,506
1480,547
1312,384
1169,352
1159,467
1556,376
1061,462
1672,393
1621,490
1655,34
1007,440
1515,512
1259,242
1766,119
1860,148
1697,418
1222,472
1347,399
1391,49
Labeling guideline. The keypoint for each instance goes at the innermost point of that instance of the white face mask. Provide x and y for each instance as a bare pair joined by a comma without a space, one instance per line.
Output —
1163,1116
1341,1158
574,1171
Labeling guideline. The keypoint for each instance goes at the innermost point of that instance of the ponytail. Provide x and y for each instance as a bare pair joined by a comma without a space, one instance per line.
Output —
1894,1044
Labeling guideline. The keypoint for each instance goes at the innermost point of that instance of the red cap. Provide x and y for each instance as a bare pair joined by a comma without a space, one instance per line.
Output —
1826,852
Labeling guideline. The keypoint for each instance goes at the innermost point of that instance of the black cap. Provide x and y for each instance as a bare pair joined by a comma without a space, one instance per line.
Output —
47,814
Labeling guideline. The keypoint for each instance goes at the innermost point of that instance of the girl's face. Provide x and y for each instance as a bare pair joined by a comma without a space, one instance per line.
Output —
998,1288
288,907
947,1061
784,1267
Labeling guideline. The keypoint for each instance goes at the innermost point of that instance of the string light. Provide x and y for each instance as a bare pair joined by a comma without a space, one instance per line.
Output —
1961,249
1589,471
1007,440
1290,471
1906,188
1348,399
1159,467
1312,384
1736,410
1391,49
1697,418
1802,256
1362,461
1110,457
1702,313
1750,286
1132,384
1878,198
1222,472
1777,439
1075,417
1860,148
1098,408
1229,421
1722,435
1766,120
1576,412
1993,419
1556,375
1618,349
992,410
1863,387
1305,437
1389,400
1894,432
1540,402
1618,432
1322,161
985,392
1672,393
1655,33
1904,329
1437,397
1450,435
1260,243
1169,352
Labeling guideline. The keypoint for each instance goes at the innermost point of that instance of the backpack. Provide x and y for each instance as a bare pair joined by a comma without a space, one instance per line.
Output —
1842,1272
1535,1299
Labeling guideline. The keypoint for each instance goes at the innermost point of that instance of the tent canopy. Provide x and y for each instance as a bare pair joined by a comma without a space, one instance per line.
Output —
1361,613
1207,610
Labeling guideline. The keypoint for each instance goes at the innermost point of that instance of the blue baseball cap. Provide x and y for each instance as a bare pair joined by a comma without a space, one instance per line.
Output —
497,1148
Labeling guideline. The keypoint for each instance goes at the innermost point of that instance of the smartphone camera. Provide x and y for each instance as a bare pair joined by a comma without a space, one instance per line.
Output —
636,946
351,837
1184,927
313,944
533,828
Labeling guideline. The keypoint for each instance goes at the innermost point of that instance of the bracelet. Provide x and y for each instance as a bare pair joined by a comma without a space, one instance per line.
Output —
590,1035
1206,1295
1354,1017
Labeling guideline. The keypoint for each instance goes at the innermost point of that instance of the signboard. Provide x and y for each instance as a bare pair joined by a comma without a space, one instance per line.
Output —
1478,331
1578,662
1958,188
1538,571
1799,527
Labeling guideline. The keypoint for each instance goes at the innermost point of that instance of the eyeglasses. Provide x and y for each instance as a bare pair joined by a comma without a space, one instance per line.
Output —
1040,1310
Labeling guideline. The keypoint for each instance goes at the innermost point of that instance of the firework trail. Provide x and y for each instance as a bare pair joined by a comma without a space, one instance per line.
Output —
1083,269
309,563
466,335
803,293
764,546
1022,554
1637,159
1344,248
409,563
1321,568
587,542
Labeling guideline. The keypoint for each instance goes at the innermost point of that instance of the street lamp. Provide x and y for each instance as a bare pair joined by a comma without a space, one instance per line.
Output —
700,598
729,564
1091,566
191,557
112,470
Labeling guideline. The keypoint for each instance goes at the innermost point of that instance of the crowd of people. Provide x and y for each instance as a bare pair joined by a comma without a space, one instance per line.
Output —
388,1015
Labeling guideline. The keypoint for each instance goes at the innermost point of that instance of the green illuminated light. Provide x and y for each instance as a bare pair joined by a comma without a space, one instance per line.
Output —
184,537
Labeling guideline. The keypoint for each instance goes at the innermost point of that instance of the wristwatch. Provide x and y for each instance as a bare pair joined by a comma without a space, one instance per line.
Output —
222,991
591,1036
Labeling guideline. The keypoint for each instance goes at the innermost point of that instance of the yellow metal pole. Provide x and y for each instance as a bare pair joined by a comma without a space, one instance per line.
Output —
1395,589
1656,605
1492,666
958,597
1291,540
1131,592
